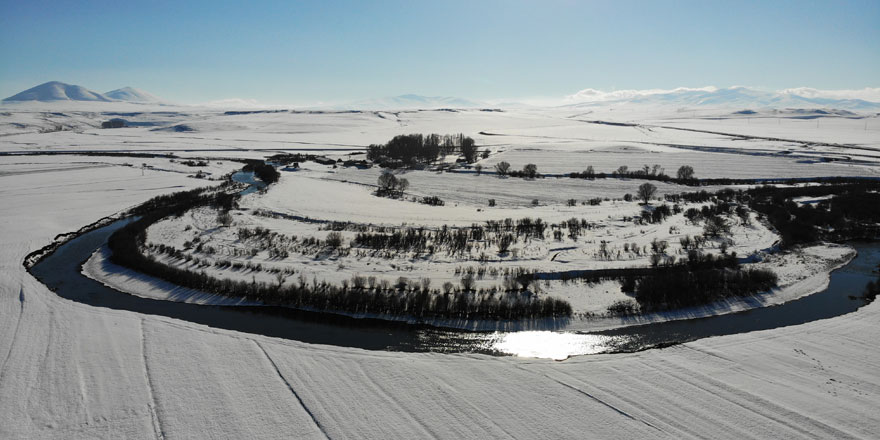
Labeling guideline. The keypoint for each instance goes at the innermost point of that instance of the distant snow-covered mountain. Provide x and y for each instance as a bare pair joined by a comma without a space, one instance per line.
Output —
131,94
733,97
411,101
59,91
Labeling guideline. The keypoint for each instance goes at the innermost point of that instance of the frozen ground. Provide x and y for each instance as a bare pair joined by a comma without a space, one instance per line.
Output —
72,371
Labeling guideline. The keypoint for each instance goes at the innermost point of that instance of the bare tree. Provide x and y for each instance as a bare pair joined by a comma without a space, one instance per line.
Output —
590,172
387,182
685,172
716,226
468,283
224,218
468,149
502,168
334,240
646,191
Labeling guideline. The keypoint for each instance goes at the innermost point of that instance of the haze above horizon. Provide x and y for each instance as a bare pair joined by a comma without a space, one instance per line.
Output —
312,53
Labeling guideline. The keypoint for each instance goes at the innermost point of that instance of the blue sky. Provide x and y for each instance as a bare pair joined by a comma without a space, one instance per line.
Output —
288,52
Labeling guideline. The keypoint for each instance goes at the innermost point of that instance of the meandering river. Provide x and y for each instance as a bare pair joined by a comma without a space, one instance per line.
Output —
61,272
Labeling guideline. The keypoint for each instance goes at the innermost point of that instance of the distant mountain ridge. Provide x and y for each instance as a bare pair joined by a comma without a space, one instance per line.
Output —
59,91
738,97
412,101
131,94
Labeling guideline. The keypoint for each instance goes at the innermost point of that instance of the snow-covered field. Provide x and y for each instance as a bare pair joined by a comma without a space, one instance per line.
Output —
68,370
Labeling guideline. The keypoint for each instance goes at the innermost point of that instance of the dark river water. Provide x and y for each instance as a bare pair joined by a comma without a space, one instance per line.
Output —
61,272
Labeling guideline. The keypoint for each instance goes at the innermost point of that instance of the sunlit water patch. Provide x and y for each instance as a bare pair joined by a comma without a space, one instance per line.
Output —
534,344
550,345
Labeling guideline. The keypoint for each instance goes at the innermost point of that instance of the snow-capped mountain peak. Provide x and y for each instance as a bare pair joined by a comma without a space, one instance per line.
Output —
57,91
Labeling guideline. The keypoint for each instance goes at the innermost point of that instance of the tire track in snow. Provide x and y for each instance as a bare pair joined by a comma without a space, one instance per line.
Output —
153,405
3,368
290,387
427,431
489,419
596,399
803,425
652,411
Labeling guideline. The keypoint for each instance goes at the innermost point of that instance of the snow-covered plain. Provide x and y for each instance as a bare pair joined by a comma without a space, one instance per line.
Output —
73,371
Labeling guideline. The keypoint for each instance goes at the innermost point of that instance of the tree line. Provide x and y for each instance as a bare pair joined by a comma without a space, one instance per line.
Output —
667,288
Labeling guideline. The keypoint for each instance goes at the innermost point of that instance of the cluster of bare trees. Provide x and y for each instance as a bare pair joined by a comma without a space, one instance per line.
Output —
390,185
411,149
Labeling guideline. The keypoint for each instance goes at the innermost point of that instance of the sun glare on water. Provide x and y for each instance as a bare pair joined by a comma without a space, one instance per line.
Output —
549,345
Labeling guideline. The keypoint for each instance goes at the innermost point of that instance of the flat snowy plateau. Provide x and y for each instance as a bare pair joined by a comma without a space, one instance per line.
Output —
68,370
